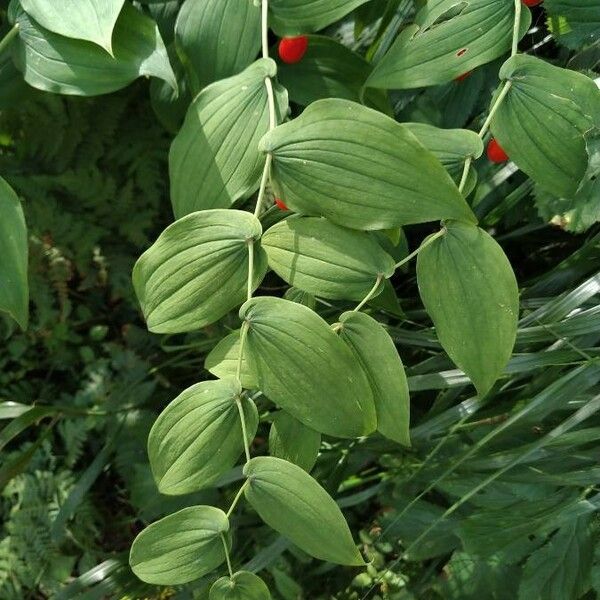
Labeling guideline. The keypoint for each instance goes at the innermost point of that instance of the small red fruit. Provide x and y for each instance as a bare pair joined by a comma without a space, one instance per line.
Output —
281,204
495,152
532,2
292,49
464,76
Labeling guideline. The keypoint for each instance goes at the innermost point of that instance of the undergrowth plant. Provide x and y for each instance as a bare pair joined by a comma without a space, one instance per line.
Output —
320,196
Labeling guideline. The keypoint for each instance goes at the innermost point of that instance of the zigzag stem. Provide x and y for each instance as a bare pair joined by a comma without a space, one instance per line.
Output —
259,203
6,41
499,99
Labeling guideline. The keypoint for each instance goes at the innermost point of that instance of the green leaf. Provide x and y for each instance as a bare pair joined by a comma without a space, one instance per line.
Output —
580,21
451,147
300,360
300,296
324,259
181,547
469,290
292,17
14,286
329,69
543,121
222,361
290,501
561,568
214,160
377,355
448,39
241,586
579,213
197,270
217,38
290,440
357,167
91,20
198,437
62,65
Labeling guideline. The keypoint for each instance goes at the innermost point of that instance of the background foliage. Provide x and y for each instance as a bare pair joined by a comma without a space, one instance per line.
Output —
75,482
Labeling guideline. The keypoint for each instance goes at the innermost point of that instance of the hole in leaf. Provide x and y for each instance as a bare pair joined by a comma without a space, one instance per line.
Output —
462,52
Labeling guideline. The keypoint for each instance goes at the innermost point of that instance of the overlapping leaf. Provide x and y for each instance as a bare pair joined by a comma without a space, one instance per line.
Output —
290,440
329,70
197,270
181,547
448,38
14,286
377,354
292,17
217,38
357,167
300,362
222,361
451,147
91,20
198,437
215,160
543,122
294,504
325,259
240,586
470,291
63,65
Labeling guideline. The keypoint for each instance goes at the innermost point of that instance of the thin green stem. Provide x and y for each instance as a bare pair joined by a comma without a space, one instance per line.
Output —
271,102
250,267
494,108
516,27
243,334
244,429
265,28
262,192
465,174
6,41
371,294
227,555
237,498
424,245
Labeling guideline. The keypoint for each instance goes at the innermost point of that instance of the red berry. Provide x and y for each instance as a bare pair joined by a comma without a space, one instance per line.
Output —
281,204
292,49
532,2
495,152
464,76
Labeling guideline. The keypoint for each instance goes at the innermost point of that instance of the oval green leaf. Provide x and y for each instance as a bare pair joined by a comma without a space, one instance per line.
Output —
448,39
222,361
377,354
543,122
91,20
470,292
198,437
63,65
292,17
214,160
290,501
300,361
293,441
197,270
217,38
451,147
243,585
329,69
357,167
325,259
181,547
14,286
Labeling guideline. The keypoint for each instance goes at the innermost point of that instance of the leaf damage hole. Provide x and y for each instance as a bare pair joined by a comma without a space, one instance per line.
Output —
462,52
